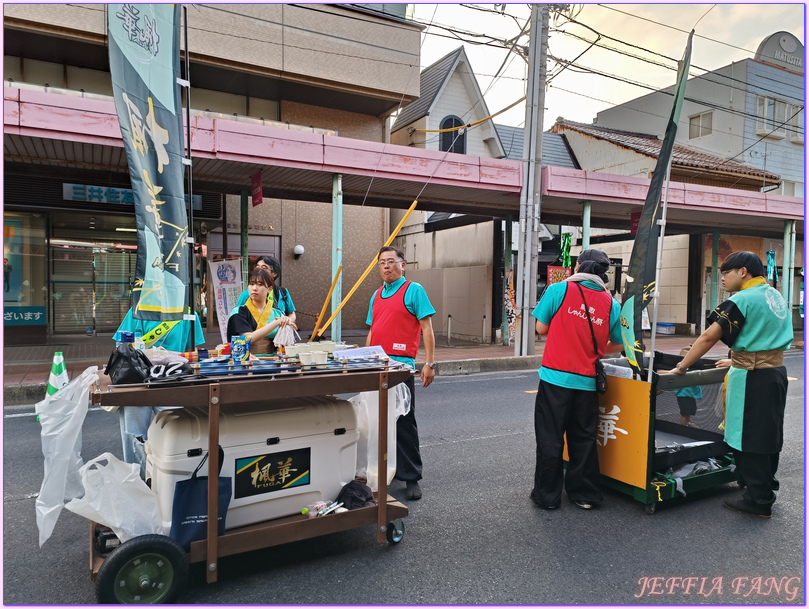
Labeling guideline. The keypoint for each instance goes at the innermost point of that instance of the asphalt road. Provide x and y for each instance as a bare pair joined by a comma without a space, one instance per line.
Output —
475,537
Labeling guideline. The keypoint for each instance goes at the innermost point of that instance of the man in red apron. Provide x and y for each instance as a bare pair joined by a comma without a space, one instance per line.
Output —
399,314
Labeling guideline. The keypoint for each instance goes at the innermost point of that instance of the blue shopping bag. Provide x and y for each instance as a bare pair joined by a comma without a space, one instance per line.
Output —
189,513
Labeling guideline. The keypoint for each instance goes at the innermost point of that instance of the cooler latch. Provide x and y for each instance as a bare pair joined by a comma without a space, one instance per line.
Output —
339,431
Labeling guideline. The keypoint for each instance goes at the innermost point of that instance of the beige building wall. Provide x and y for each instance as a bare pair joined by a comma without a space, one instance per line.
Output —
309,278
346,124
313,44
600,156
449,290
673,305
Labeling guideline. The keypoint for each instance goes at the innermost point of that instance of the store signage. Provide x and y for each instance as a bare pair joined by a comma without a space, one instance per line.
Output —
24,316
105,194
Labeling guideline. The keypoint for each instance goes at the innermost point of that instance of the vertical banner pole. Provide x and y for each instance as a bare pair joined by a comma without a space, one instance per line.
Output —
336,253
192,253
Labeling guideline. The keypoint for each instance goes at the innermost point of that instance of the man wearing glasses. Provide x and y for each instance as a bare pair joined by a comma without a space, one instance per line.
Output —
399,314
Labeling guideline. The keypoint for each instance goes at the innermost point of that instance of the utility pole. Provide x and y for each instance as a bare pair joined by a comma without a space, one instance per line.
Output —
530,197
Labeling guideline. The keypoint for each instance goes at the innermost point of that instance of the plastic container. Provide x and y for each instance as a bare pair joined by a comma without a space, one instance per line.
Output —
312,509
281,454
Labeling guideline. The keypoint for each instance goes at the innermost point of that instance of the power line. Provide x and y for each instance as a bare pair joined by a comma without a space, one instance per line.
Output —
676,28
705,103
668,67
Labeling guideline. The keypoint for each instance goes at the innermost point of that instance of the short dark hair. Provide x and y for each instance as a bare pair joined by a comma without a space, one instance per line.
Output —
271,262
390,248
262,276
748,260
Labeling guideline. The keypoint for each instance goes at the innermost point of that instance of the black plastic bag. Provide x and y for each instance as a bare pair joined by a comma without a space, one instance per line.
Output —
127,365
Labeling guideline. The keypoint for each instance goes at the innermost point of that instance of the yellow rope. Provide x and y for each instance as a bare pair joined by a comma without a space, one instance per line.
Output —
658,485
522,99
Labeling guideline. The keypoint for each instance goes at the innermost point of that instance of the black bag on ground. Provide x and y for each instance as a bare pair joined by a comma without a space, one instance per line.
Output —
127,365
189,513
601,374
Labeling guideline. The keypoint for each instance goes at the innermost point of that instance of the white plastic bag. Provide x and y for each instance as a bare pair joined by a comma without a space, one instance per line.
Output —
286,335
161,355
115,496
366,405
62,416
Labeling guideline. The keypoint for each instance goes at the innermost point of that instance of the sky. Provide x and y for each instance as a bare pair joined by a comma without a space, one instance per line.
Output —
724,34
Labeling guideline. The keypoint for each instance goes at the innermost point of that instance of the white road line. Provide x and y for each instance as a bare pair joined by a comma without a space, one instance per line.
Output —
34,414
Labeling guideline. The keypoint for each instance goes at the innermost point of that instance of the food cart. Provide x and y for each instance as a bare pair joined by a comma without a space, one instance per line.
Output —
642,445
153,568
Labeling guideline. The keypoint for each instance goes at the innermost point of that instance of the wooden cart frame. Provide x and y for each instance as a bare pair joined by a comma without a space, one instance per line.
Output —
218,393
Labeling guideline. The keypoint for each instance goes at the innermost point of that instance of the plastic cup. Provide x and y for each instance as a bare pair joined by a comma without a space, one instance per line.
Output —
320,357
306,358
291,350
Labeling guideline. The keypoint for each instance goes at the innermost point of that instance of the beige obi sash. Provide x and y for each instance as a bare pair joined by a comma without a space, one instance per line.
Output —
757,359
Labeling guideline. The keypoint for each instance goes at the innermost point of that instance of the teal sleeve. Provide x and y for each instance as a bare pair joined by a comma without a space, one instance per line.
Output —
615,323
289,306
243,298
369,319
199,334
550,302
128,324
417,302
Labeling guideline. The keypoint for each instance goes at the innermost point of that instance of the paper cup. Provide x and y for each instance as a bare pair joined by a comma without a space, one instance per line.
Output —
320,357
291,350
306,358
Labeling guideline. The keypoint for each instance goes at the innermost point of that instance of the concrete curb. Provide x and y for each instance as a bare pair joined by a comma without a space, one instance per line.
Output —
15,395
487,364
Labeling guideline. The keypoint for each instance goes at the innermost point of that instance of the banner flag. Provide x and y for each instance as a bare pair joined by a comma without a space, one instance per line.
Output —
640,278
144,43
226,276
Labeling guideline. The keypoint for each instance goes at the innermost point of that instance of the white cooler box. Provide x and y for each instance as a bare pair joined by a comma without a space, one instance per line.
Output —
280,459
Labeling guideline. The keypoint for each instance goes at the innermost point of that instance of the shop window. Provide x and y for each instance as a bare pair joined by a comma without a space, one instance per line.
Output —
453,141
772,117
796,124
700,125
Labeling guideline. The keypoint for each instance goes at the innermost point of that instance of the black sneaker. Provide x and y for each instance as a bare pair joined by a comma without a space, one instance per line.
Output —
740,505
413,490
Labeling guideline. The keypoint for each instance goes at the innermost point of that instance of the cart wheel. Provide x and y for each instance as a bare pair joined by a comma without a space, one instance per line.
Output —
395,531
650,508
145,570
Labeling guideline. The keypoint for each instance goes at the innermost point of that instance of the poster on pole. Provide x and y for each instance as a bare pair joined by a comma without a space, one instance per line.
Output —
511,306
226,276
144,50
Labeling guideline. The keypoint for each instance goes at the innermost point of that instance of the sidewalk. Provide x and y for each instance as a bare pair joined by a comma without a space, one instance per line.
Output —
26,368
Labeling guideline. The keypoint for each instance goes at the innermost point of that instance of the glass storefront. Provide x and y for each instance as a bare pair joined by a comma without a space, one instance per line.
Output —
92,271
25,289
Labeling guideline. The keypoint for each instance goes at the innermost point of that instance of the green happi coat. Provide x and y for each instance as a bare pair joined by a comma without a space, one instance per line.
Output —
755,319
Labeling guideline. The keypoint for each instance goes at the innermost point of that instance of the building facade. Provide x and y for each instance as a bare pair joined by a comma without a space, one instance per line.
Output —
69,226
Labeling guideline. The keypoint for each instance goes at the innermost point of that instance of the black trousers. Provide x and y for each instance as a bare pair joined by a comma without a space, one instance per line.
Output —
757,472
559,411
408,454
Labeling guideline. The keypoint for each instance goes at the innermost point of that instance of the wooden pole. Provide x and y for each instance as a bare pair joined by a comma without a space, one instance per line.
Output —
368,270
325,303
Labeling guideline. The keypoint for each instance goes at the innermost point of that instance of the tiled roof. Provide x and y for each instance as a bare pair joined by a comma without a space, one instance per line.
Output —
649,145
432,79
555,150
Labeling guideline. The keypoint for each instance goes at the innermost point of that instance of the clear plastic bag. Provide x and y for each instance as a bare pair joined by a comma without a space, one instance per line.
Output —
62,416
286,335
115,496
366,405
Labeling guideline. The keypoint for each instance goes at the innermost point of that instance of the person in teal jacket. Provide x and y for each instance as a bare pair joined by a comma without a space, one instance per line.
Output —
135,421
756,323
279,298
